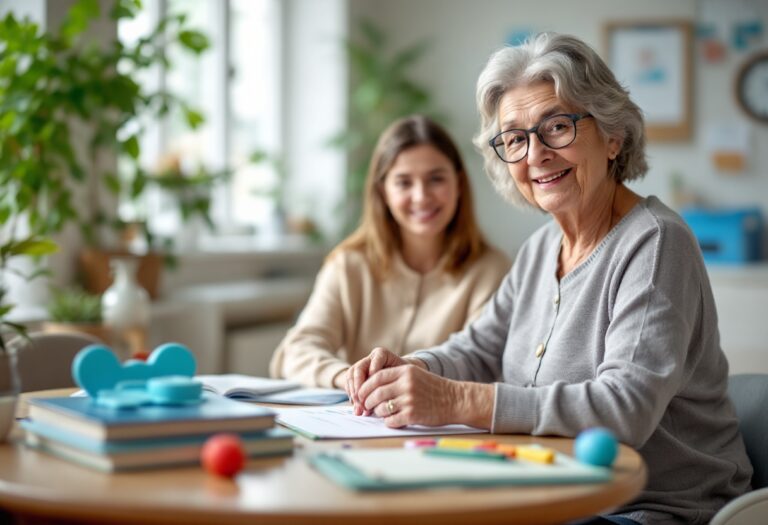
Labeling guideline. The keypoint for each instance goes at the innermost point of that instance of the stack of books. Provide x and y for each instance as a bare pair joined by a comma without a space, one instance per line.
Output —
107,439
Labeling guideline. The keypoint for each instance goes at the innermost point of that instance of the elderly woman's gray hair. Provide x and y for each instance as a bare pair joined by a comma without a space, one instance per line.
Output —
581,79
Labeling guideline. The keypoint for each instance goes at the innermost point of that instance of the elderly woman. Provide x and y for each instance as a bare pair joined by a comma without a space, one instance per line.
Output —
416,270
606,318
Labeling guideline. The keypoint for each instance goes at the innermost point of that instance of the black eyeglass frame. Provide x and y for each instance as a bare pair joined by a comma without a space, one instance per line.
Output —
574,117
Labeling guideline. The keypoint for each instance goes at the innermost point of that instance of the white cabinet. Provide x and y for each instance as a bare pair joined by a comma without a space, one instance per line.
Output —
741,295
232,308
249,350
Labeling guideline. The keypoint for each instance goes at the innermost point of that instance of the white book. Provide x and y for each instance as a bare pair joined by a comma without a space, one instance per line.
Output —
266,390
243,386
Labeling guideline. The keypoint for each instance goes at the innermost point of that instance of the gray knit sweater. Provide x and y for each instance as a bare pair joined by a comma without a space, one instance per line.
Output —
627,340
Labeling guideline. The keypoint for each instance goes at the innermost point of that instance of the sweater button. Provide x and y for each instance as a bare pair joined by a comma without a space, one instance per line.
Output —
540,350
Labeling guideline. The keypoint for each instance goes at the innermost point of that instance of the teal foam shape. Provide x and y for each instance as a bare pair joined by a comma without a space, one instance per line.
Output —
97,368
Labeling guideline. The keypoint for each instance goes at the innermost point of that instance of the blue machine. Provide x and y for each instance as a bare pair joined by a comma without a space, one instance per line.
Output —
727,236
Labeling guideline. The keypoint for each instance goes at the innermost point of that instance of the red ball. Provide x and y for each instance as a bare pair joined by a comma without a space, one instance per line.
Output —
223,455
140,355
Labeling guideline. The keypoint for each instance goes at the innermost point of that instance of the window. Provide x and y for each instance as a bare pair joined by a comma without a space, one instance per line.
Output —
236,85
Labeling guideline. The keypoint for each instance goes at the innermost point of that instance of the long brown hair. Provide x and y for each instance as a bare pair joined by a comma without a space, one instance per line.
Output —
378,236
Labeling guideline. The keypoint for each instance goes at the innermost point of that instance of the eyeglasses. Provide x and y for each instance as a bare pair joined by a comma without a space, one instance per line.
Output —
555,132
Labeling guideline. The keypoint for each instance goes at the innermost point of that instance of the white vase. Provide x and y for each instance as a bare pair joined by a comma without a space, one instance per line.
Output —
125,304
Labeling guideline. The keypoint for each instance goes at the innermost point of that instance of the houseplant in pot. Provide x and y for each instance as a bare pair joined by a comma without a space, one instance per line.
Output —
13,246
75,310
71,107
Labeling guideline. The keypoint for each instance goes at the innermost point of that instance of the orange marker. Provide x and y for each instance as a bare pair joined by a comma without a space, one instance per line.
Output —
508,450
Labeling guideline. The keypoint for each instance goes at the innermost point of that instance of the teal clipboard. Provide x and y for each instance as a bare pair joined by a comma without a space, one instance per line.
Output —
400,469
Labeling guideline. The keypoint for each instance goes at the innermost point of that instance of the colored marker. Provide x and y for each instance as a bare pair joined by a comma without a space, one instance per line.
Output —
465,453
466,444
420,443
536,454
508,450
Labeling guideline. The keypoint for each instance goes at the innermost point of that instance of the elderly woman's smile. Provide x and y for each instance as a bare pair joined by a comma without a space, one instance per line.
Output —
547,179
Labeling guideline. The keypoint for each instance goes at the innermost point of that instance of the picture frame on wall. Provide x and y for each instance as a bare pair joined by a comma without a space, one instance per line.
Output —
653,59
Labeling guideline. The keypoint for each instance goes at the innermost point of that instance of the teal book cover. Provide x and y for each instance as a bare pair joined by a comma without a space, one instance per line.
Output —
81,415
112,456
399,468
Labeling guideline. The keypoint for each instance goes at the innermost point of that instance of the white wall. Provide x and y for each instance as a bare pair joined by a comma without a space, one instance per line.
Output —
465,33
315,81
34,9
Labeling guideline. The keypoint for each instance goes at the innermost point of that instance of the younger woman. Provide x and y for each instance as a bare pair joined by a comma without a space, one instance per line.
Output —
416,270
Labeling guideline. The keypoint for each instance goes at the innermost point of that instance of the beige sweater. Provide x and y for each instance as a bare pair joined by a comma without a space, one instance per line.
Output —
351,312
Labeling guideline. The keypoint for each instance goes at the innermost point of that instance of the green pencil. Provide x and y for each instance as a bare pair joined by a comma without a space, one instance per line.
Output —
465,453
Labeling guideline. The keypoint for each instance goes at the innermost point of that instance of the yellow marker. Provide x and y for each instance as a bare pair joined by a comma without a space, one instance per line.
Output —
465,444
537,454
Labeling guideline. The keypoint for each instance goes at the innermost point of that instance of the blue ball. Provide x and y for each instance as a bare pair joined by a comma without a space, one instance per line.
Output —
596,446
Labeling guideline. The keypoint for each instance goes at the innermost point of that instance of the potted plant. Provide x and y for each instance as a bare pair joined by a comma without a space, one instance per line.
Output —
75,310
381,91
13,246
69,108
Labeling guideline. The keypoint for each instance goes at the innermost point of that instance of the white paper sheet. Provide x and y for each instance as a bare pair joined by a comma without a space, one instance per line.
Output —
339,422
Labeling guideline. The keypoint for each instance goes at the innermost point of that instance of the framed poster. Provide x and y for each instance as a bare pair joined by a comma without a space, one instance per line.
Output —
653,60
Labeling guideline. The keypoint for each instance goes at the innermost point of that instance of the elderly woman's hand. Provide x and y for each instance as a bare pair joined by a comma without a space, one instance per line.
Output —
408,394
357,374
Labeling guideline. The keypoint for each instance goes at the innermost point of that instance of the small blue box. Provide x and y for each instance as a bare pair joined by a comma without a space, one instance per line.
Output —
727,236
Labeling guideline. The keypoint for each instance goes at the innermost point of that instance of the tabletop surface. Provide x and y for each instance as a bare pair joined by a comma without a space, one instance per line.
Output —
288,490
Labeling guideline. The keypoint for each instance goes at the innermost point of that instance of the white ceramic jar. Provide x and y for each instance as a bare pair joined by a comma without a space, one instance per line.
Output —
125,304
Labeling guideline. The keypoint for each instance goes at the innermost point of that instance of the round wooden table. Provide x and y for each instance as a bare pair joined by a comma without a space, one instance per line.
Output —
287,490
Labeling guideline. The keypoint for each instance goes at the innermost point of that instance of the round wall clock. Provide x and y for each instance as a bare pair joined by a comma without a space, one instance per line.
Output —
752,87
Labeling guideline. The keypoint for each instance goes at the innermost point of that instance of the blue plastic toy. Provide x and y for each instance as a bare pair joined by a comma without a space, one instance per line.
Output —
164,379
596,446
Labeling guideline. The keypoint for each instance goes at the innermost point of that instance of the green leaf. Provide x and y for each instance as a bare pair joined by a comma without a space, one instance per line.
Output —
34,247
258,156
194,118
372,33
113,183
79,17
195,41
138,185
131,147
125,9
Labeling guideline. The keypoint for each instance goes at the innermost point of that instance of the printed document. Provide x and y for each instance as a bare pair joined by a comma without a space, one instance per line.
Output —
339,422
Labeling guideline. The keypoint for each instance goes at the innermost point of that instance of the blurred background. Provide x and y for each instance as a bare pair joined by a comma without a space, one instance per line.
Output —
246,166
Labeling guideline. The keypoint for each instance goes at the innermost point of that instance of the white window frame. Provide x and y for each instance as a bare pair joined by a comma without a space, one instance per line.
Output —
218,112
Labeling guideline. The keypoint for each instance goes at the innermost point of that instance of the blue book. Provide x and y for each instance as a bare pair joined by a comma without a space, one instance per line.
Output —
112,456
82,416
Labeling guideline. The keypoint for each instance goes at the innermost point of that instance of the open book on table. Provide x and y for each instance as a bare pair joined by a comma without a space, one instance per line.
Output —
268,390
